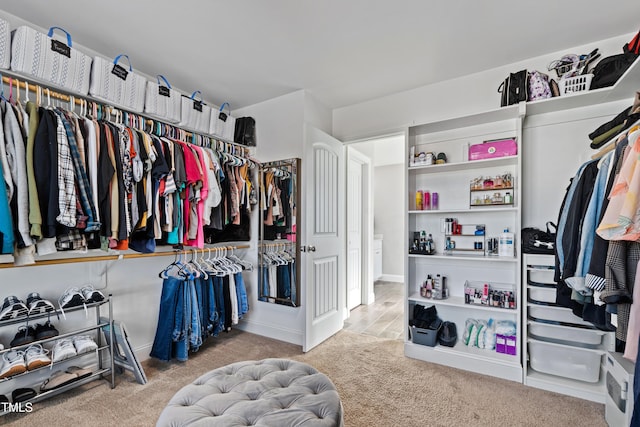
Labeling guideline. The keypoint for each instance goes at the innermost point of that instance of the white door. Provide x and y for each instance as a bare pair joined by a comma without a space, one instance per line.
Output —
323,260
354,228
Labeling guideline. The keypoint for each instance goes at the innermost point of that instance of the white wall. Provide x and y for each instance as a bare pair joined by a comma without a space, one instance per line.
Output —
553,142
457,97
389,217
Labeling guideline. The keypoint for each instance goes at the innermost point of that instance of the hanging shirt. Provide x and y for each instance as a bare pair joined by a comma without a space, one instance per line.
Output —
35,216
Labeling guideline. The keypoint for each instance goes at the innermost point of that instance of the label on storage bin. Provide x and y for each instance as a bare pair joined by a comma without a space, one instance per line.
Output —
197,105
222,116
120,72
61,48
164,91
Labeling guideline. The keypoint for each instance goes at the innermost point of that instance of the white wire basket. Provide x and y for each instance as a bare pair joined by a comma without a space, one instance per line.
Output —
576,84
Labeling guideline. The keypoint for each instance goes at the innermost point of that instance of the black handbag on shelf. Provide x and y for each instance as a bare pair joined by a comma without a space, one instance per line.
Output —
514,88
607,72
245,132
536,241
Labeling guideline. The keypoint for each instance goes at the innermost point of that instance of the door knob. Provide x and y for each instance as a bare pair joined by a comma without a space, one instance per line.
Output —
307,248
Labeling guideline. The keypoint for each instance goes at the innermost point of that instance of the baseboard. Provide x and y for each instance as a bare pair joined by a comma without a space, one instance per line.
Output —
392,278
277,333
142,353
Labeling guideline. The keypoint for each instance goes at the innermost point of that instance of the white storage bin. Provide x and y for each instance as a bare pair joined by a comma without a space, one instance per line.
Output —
565,361
5,45
556,314
540,294
51,61
541,276
589,338
117,85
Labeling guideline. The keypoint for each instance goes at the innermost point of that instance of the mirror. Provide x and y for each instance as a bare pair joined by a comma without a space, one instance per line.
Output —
278,249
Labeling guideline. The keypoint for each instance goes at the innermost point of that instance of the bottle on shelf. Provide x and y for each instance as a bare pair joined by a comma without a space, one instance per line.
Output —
418,200
434,200
426,201
506,247
508,198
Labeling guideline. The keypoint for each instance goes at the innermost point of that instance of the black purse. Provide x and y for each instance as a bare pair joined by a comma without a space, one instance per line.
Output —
514,88
607,72
536,241
245,132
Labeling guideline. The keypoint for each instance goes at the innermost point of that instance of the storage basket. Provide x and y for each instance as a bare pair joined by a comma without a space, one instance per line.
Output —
223,125
195,114
573,85
163,102
5,45
116,85
50,61
428,337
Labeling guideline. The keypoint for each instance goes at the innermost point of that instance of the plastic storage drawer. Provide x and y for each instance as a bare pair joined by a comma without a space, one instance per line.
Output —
556,314
541,276
564,335
539,294
565,361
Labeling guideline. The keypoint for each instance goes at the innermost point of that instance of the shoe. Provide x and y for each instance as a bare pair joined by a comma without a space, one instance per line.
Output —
80,372
12,364
45,331
23,394
71,298
13,308
36,357
25,335
91,295
37,305
84,344
63,349
57,380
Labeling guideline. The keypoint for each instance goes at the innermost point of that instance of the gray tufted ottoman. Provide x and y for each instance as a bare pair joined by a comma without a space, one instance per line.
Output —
269,392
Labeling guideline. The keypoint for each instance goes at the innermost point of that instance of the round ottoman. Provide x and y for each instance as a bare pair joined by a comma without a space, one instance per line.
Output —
269,392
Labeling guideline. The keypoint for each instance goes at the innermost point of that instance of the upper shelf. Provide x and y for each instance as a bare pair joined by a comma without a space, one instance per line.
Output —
625,88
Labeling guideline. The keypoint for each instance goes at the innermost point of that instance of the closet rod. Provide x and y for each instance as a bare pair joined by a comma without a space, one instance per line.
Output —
22,81
119,256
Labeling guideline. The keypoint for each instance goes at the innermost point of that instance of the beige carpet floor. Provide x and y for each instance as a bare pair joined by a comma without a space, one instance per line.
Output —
378,386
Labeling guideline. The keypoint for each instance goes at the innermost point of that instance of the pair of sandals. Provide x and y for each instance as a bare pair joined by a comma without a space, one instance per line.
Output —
62,378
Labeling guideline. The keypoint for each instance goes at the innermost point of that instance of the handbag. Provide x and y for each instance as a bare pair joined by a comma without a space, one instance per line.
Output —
50,61
223,125
162,102
536,241
514,88
114,84
195,114
245,132
607,72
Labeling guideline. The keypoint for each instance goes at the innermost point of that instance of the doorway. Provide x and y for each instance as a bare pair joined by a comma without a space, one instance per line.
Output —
375,236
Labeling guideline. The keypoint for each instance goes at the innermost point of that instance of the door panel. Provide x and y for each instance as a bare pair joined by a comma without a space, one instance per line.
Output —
323,259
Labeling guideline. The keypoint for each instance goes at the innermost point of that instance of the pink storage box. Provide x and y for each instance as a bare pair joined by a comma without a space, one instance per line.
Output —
493,149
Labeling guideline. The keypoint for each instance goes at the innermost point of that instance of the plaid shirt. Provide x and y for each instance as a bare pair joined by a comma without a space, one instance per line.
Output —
86,198
67,196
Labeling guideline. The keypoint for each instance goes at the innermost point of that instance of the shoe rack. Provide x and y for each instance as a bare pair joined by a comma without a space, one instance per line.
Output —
102,358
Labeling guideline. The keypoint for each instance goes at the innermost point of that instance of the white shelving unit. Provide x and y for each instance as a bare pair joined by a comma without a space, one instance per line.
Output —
452,183
581,372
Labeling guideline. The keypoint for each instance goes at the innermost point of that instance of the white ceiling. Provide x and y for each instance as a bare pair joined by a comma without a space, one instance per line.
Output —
342,51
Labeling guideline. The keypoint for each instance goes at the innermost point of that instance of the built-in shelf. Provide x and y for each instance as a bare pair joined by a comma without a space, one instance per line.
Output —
440,256
455,301
472,164
466,210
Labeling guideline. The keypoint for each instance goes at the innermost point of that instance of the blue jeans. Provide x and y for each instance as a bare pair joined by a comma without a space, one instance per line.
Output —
195,326
241,292
218,286
170,311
